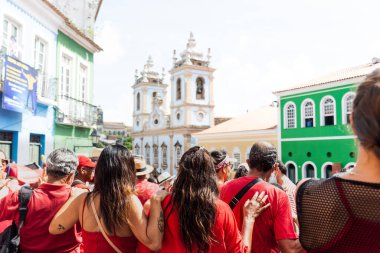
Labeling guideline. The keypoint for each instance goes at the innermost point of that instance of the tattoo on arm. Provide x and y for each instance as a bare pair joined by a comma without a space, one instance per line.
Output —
61,227
160,222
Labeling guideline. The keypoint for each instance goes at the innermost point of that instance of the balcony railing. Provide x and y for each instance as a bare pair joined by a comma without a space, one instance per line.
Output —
75,112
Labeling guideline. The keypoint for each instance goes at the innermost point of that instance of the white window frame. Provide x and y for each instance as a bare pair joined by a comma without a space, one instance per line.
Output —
323,168
63,78
304,168
138,101
6,37
303,112
164,156
147,153
248,150
286,115
136,149
344,106
295,166
156,163
83,88
41,66
176,89
236,155
178,153
322,109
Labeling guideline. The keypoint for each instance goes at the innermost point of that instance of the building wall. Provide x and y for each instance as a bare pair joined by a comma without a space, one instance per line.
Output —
74,138
339,129
32,22
319,144
236,144
320,152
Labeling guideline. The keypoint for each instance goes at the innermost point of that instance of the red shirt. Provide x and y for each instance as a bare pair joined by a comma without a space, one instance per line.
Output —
273,224
225,230
145,190
44,203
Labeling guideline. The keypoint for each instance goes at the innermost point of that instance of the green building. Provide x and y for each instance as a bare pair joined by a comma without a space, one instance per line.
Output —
315,137
76,116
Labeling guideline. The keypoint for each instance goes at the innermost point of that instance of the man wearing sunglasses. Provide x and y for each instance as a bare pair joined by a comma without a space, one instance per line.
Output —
85,173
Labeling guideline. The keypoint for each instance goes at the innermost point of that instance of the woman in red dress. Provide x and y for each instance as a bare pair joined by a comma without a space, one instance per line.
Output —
196,220
112,216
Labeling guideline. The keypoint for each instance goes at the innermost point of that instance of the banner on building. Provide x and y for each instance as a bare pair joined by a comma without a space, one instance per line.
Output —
20,86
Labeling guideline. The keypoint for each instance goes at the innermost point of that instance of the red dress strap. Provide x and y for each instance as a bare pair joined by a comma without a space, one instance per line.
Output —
84,204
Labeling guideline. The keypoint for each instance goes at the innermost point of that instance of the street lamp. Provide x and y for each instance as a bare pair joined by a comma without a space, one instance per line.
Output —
95,137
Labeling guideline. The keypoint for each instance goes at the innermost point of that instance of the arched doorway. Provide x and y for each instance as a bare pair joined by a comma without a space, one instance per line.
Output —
328,171
291,171
309,170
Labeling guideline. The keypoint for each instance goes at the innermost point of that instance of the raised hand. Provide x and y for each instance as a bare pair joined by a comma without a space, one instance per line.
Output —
255,206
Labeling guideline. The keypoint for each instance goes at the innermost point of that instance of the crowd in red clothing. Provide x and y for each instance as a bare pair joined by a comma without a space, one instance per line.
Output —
110,206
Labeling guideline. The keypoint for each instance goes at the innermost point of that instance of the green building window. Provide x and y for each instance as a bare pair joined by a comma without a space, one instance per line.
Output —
290,116
308,113
328,112
348,100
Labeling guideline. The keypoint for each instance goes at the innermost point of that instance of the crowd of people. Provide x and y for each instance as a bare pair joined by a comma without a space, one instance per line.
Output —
114,205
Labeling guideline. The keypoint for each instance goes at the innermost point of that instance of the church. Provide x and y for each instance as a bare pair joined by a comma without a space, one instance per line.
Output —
161,136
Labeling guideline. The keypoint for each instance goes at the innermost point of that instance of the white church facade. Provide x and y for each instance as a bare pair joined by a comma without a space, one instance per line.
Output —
160,134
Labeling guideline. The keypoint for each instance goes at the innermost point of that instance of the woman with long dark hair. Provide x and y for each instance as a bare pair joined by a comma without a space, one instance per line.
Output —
341,214
112,216
196,220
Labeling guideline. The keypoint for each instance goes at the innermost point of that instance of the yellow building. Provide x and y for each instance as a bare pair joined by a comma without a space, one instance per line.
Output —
237,135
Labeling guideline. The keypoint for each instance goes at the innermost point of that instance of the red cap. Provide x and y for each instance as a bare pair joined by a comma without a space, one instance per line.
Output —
85,161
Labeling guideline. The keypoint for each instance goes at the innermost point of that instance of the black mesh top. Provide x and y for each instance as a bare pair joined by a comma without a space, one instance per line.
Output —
339,215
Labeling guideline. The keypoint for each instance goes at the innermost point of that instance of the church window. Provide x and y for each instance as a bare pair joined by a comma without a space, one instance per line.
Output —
348,101
147,153
156,121
328,111
138,102
237,158
137,149
290,116
178,153
178,89
200,91
164,152
155,156
178,116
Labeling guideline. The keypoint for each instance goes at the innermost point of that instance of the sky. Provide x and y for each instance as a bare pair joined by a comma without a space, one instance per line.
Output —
257,47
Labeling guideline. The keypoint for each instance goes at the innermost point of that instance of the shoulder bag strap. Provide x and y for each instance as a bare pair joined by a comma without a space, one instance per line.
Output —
235,200
24,197
102,230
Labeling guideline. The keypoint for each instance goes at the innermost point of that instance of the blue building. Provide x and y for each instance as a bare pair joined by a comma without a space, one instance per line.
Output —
29,34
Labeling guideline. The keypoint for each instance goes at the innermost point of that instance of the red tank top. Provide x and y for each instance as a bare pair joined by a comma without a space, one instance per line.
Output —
94,242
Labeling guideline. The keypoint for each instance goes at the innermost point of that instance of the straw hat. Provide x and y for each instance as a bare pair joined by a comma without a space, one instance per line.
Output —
163,177
142,168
